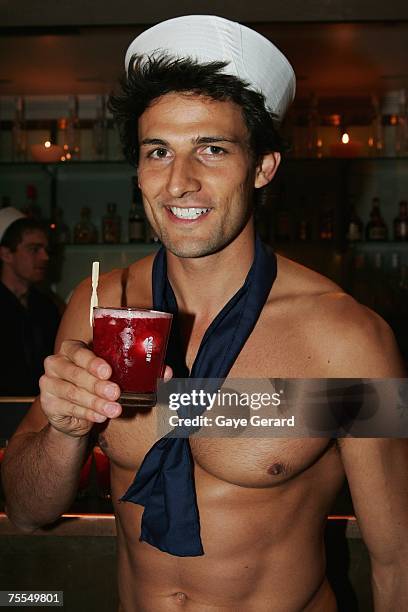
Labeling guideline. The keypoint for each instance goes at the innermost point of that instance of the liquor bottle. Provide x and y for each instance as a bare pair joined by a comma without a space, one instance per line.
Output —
60,232
111,225
394,272
303,230
85,231
303,226
326,224
100,130
355,226
136,222
73,128
376,228
19,130
401,222
31,209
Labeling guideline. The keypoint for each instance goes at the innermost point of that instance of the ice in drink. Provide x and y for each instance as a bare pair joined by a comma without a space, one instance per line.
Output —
133,342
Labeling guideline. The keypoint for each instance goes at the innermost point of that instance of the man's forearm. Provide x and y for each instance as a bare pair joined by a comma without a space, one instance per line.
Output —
40,475
390,587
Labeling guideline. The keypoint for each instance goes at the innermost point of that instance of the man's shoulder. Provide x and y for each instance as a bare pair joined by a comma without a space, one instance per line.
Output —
350,338
297,281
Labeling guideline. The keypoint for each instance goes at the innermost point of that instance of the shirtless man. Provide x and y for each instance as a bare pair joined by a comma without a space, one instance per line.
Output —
263,503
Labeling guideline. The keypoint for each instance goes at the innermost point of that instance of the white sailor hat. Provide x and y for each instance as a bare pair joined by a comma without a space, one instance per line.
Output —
208,38
7,216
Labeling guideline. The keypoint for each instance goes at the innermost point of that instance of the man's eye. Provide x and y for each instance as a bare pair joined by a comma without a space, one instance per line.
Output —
213,150
158,153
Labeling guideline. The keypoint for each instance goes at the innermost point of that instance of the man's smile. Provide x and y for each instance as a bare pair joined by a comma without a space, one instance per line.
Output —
189,214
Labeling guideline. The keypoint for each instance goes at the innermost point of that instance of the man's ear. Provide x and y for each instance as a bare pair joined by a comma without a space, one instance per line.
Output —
266,169
5,254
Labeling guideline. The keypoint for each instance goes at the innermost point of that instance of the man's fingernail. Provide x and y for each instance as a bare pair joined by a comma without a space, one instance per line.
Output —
103,370
100,418
111,410
110,391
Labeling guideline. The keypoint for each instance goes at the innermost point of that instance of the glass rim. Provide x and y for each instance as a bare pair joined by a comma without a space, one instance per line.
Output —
133,309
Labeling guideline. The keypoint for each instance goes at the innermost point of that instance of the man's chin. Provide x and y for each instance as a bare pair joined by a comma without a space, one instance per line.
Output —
39,276
191,250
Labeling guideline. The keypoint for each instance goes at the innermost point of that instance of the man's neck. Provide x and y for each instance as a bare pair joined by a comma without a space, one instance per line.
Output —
203,285
15,284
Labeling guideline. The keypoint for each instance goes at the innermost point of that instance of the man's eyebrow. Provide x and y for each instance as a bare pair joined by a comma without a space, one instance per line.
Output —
153,141
209,139
197,140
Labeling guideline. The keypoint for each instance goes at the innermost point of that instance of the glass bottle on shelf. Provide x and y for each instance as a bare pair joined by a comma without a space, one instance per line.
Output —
375,140
393,120
19,131
85,231
111,225
355,225
61,233
313,148
136,222
68,131
403,281
73,129
303,225
99,129
401,222
31,208
303,230
326,222
376,229
394,272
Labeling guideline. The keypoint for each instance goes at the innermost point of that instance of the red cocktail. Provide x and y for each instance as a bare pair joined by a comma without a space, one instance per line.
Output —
133,342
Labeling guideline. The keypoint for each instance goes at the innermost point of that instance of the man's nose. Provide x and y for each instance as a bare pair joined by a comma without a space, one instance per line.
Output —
44,254
183,178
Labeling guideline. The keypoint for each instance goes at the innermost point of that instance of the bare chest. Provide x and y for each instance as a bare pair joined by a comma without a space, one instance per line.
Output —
247,462
282,345
275,349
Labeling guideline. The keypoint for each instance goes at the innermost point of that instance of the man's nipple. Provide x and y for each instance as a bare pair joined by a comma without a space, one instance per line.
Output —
275,469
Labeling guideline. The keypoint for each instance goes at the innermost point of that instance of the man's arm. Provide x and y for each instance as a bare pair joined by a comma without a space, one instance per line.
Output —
40,471
42,463
376,468
377,473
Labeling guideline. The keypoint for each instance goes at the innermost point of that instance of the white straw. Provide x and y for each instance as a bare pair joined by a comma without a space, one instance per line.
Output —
94,296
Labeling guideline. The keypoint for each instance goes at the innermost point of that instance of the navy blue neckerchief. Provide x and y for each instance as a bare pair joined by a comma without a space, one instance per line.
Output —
164,484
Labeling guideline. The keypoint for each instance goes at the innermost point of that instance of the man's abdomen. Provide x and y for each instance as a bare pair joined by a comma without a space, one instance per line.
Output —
263,550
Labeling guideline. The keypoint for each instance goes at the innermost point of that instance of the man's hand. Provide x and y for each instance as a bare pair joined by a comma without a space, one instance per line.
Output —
76,391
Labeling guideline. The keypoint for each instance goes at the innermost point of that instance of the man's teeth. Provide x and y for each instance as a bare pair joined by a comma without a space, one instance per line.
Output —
188,213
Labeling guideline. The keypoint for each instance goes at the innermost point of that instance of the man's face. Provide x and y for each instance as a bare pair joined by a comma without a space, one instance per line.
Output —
196,172
29,261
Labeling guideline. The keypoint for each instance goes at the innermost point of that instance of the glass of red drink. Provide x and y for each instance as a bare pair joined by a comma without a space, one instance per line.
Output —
133,341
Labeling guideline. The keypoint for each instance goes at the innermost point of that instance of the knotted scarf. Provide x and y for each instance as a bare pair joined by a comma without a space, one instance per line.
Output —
164,484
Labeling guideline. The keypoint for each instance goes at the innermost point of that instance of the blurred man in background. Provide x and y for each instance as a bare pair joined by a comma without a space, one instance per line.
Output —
29,317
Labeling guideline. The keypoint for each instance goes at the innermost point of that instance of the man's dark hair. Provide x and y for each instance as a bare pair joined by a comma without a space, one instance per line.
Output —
15,232
149,79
